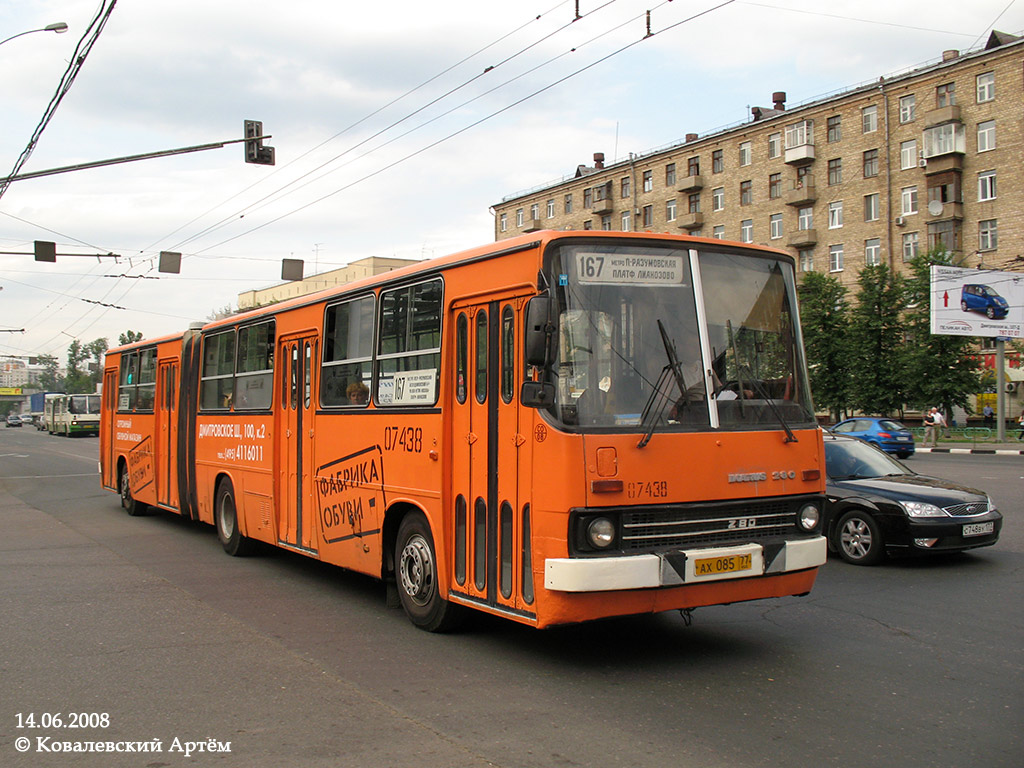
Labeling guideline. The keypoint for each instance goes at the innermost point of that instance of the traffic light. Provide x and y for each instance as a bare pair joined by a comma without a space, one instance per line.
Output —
255,152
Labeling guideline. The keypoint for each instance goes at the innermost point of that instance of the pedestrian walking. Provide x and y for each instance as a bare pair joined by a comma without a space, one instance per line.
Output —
989,415
1020,425
930,427
941,426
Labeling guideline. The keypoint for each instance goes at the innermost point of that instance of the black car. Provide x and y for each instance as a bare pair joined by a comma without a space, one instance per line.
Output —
876,506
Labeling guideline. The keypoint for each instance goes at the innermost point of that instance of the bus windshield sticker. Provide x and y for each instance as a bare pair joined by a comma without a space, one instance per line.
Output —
629,269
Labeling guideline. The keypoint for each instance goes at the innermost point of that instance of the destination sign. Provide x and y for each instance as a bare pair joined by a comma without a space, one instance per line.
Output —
629,269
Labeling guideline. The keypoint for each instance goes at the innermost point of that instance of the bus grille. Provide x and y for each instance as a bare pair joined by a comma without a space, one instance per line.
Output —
684,527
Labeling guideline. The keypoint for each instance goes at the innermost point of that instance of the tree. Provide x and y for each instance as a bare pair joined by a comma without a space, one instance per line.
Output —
877,382
50,380
97,349
129,337
80,379
943,369
825,319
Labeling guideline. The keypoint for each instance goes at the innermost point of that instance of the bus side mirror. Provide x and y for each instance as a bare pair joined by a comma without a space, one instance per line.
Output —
539,331
537,394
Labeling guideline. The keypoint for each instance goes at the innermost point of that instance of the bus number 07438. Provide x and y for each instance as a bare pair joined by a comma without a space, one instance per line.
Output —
409,439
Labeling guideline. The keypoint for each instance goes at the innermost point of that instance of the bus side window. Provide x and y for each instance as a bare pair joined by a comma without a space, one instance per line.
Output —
508,342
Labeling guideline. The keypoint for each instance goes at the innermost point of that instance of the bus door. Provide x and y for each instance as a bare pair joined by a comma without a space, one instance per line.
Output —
108,429
487,453
296,519
166,435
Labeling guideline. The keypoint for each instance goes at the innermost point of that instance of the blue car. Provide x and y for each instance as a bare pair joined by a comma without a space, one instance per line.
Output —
887,434
982,298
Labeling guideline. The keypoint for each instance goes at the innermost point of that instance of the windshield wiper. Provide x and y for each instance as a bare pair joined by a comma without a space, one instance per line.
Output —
756,384
673,369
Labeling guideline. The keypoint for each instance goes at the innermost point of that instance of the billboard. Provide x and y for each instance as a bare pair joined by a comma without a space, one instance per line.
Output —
977,302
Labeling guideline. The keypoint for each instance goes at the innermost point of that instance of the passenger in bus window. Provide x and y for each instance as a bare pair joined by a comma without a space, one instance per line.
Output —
357,393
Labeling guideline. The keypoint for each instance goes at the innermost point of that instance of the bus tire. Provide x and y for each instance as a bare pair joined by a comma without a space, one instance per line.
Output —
225,518
416,575
130,504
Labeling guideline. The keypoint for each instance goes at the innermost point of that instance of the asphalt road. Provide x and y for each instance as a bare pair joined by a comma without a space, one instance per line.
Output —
146,620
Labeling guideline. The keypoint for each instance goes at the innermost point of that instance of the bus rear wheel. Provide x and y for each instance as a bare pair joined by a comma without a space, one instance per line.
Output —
225,515
417,575
133,506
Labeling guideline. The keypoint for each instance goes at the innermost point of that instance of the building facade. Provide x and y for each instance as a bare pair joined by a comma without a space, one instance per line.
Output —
872,175
367,267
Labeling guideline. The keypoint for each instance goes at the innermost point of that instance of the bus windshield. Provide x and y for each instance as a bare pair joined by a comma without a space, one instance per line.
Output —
658,338
84,404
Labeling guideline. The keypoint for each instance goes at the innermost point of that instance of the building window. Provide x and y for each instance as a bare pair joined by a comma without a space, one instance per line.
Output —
986,83
835,214
944,235
872,207
670,175
648,181
945,188
774,145
648,214
987,237
551,209
697,232
519,217
503,225
873,252
945,95
908,154
775,226
908,108
869,119
746,153
588,224
670,210
606,222
986,186
624,189
870,163
693,203
718,199
805,219
627,223
588,198
747,231
834,125
718,232
944,139
910,246
568,203
800,134
835,171
835,258
717,162
746,192
774,186
986,135
908,200
806,259
535,211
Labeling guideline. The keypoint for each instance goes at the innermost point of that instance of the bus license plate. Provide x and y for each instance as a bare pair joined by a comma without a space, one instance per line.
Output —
978,529
712,566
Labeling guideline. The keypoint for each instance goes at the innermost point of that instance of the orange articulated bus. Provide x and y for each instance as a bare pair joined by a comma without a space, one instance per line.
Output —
555,428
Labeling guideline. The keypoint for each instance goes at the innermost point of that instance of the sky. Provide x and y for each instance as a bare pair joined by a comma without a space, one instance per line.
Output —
395,126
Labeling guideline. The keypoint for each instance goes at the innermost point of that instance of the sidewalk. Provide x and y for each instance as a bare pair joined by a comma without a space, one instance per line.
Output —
1011,447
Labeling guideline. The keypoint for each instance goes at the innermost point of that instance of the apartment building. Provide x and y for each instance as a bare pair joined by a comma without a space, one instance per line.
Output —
871,175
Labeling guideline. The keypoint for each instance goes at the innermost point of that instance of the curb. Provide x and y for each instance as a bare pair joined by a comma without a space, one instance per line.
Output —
989,452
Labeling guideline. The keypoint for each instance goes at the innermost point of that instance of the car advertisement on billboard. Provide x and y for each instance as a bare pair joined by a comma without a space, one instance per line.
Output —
977,302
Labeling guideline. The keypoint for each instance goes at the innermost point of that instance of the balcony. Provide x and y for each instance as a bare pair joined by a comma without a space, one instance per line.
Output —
532,225
803,192
603,206
690,221
942,115
801,154
692,184
943,163
939,211
803,238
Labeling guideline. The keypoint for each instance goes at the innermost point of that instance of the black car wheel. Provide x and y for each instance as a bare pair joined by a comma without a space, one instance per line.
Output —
858,538
417,575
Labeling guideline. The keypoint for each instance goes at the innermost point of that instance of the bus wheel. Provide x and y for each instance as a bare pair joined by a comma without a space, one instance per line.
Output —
133,507
226,519
417,577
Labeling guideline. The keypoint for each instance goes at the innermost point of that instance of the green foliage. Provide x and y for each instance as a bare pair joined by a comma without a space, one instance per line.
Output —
877,382
825,319
944,371
85,366
129,337
50,380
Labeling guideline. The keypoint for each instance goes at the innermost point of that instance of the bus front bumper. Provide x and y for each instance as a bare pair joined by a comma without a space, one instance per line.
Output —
671,569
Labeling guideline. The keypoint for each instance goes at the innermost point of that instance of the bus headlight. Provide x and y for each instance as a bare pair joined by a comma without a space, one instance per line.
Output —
809,517
600,533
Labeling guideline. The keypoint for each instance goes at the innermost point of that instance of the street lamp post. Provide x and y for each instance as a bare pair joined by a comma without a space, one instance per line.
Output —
58,27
